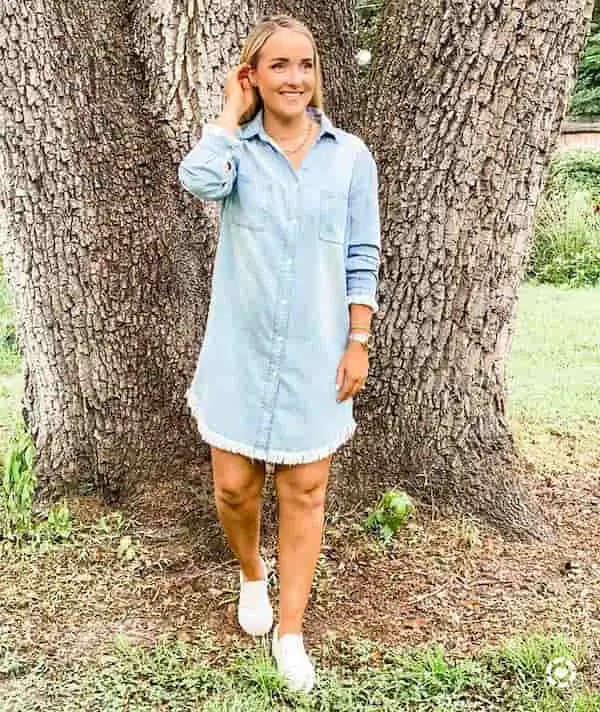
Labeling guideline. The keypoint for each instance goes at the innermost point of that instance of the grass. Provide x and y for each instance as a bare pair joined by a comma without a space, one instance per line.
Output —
553,377
11,378
178,676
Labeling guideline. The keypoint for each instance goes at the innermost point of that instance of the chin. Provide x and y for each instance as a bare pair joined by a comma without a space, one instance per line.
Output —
290,111
281,108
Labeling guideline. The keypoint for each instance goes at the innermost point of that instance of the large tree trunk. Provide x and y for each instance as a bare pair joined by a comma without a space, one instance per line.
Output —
110,261
464,106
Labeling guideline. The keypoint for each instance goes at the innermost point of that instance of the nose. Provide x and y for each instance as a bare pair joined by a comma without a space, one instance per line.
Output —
294,77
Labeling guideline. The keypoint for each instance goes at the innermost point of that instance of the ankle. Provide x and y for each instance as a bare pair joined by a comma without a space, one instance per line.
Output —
291,627
253,569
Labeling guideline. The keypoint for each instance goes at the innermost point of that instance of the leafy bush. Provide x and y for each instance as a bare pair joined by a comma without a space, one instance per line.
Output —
369,13
572,171
585,98
18,486
566,248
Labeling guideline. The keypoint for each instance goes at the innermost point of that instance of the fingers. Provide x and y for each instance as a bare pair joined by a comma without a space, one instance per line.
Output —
238,88
242,71
350,387
239,72
358,385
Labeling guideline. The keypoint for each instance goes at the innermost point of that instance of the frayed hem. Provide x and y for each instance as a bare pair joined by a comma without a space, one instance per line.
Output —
270,457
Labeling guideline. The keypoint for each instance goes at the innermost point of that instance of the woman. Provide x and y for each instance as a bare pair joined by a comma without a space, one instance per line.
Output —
293,292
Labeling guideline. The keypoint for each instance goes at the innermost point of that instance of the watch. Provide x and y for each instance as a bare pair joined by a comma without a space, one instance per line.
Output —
366,339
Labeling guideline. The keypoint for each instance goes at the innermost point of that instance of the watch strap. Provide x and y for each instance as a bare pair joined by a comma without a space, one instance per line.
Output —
365,339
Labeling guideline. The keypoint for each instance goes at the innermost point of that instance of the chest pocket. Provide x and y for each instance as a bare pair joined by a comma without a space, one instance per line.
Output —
333,209
249,204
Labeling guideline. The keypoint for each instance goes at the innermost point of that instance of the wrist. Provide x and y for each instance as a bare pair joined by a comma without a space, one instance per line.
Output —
359,340
229,118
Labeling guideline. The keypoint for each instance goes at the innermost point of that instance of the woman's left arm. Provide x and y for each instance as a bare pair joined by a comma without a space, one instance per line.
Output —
362,270
364,240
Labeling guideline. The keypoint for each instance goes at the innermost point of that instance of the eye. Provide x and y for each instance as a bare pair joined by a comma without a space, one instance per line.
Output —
277,65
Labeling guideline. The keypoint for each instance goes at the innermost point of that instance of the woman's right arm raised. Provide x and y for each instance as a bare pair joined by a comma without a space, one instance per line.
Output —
209,170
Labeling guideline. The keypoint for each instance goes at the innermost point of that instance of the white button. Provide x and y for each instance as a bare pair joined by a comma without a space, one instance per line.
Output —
289,262
284,301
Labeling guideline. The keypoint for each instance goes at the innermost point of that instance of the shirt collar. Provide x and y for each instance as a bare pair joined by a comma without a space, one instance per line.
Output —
255,126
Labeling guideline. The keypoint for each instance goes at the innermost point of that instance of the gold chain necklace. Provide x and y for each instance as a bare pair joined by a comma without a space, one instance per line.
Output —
304,140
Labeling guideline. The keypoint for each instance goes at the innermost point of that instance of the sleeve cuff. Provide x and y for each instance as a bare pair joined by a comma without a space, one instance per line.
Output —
363,299
212,129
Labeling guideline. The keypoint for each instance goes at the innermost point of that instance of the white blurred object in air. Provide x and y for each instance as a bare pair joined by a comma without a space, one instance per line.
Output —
363,57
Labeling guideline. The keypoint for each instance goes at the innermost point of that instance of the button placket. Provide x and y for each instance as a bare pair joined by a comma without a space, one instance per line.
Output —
282,314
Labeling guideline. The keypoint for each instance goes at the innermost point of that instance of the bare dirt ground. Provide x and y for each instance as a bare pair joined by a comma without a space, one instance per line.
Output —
445,579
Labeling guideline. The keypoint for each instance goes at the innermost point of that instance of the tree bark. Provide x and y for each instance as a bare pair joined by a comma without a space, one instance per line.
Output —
464,106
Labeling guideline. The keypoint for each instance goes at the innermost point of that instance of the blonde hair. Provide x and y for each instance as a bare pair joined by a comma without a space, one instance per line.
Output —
254,42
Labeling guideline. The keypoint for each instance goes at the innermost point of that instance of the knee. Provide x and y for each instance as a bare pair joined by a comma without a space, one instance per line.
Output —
304,497
236,495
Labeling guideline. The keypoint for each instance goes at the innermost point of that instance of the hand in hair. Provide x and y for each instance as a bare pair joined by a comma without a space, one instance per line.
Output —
239,94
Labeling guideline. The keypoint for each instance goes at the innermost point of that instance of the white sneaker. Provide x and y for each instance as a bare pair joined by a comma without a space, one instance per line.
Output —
255,613
292,661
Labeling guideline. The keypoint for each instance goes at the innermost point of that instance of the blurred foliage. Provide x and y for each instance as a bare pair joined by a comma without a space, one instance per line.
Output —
572,171
566,243
369,12
585,97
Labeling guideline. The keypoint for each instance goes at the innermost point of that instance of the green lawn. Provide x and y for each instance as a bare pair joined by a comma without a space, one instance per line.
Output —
553,377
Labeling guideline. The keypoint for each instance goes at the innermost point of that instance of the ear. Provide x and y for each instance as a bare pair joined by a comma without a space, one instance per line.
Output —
252,77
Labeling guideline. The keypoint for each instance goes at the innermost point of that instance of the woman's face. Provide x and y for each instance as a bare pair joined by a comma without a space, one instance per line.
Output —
285,73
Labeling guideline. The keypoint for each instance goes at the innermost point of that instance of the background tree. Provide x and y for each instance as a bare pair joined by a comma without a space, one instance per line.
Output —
109,260
585,99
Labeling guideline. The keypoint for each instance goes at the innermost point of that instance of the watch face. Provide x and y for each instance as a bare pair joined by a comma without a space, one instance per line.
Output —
365,339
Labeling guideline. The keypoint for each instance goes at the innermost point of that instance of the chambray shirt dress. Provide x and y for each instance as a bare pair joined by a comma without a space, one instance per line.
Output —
295,248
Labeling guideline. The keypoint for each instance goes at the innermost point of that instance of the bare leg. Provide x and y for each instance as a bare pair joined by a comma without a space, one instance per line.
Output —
301,495
238,484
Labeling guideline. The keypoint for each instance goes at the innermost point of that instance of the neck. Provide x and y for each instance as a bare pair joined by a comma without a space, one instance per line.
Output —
284,127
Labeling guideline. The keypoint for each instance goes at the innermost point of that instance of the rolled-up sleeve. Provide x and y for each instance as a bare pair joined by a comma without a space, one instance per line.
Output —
364,239
209,170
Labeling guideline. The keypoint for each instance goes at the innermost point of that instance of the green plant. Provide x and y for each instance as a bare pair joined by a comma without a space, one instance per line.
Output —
572,171
391,511
19,481
58,525
369,14
18,485
566,248
585,98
